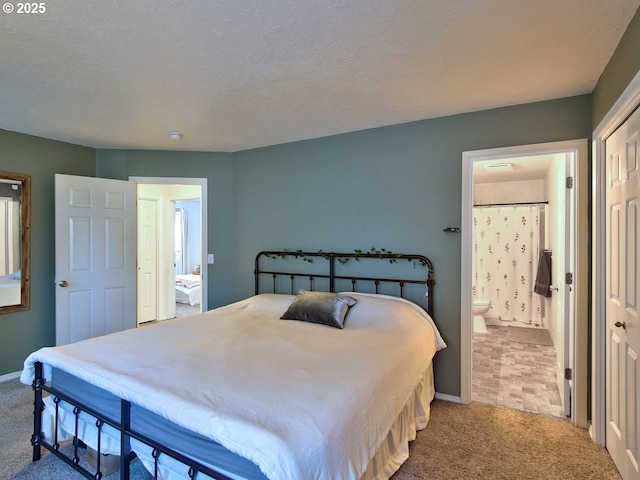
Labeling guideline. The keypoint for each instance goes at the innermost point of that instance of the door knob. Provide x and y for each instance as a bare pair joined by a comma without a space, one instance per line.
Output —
63,283
621,324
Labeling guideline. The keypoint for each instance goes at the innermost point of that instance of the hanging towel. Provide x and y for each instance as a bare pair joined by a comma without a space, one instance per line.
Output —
543,279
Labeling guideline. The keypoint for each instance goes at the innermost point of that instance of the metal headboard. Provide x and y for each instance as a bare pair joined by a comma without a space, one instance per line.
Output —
342,258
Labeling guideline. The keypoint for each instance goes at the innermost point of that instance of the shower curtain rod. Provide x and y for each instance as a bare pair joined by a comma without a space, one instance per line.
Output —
508,204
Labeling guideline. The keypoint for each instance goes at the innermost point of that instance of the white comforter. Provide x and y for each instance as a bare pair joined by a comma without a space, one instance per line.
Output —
302,401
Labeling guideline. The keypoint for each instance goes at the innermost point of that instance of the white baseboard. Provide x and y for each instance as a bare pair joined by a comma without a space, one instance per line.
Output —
448,398
9,376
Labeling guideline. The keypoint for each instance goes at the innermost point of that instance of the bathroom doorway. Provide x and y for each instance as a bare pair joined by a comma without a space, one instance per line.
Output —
519,213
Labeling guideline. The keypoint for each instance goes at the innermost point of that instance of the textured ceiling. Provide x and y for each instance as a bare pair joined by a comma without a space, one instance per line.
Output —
237,74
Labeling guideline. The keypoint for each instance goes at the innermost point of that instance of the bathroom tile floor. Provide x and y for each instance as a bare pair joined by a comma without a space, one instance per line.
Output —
514,375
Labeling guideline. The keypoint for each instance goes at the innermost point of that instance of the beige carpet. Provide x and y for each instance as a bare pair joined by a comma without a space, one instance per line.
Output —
537,336
479,441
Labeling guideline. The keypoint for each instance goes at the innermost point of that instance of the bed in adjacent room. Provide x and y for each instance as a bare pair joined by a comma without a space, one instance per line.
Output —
303,384
188,289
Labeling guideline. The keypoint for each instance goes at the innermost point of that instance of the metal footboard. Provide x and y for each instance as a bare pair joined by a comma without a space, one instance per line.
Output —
38,441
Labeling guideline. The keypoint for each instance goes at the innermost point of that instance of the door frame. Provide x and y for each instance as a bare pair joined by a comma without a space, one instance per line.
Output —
580,348
628,101
202,182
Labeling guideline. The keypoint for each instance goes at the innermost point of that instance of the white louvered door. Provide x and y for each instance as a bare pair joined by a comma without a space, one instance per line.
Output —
623,297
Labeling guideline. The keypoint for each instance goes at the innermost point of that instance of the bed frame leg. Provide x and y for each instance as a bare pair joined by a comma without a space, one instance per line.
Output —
125,439
38,406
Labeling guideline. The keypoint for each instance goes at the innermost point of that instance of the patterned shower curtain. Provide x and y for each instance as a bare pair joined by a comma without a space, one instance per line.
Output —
506,245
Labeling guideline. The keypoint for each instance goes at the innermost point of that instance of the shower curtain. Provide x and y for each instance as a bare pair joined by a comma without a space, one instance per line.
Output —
506,244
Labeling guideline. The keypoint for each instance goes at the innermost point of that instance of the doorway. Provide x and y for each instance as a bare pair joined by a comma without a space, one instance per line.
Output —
172,239
543,168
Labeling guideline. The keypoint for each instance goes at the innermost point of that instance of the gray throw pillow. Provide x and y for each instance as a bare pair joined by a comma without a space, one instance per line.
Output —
319,307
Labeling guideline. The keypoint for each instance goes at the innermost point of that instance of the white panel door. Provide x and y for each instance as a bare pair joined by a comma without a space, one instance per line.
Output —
623,295
147,260
95,241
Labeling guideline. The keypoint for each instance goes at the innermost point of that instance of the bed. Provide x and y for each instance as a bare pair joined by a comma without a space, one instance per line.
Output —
10,289
241,393
188,289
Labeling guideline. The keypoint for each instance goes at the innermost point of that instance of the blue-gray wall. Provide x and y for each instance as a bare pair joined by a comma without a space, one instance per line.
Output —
623,66
395,187
23,332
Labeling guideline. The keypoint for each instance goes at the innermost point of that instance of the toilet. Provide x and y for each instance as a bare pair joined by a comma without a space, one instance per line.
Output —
480,307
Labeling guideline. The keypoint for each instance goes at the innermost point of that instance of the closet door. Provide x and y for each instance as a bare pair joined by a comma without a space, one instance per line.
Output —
622,297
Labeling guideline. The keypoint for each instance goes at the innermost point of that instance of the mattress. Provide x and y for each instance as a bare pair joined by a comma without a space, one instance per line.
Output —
298,400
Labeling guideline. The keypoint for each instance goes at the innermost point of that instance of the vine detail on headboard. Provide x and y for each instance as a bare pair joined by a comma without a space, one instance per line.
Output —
332,275
381,253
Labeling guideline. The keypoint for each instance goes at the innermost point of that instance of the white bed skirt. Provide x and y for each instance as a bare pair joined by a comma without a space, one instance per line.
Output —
394,451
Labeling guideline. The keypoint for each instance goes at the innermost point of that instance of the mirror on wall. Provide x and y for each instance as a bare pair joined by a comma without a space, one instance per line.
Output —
15,219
